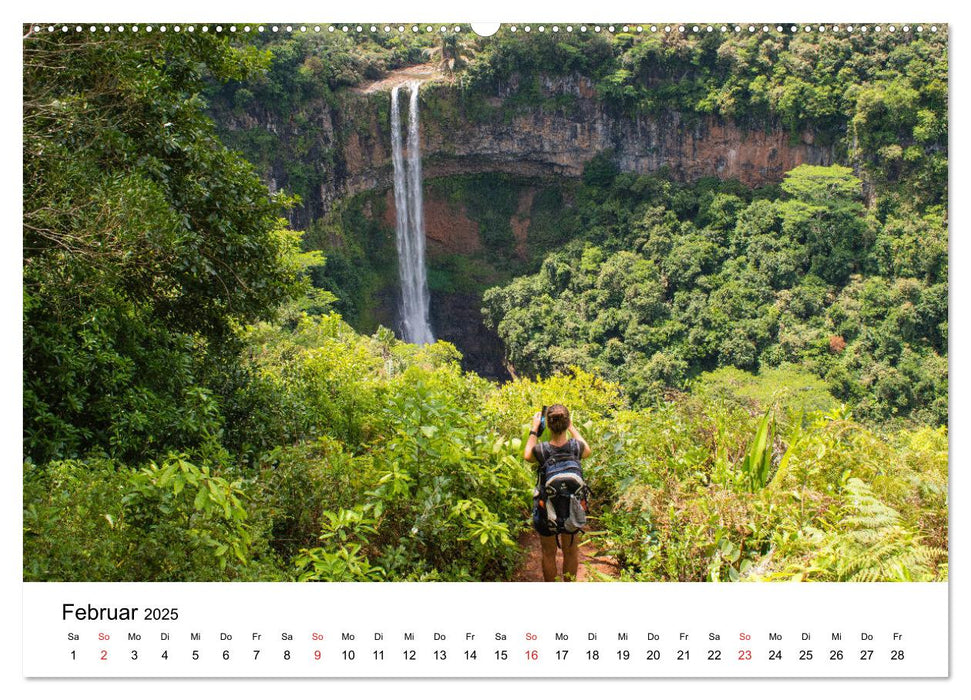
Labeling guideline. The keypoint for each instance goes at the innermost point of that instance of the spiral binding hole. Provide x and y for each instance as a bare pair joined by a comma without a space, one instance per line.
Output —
696,29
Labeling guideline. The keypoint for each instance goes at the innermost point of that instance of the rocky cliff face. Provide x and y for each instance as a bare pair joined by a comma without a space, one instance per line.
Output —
350,152
561,140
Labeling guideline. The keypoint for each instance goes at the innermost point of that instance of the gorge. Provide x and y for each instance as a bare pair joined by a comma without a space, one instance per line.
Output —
340,154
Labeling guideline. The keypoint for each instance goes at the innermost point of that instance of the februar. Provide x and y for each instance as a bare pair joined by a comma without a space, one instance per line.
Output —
89,612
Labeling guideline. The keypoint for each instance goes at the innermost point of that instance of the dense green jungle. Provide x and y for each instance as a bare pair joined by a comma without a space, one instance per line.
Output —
741,295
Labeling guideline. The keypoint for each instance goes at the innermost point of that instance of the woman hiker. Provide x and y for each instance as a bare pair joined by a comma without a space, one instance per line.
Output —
565,444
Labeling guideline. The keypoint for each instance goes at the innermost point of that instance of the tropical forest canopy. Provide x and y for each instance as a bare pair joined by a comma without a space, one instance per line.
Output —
762,373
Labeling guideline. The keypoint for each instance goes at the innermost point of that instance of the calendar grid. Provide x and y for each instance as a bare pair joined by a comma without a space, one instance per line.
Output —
485,630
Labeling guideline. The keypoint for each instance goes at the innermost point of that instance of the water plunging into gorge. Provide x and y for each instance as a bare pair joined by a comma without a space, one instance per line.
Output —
409,222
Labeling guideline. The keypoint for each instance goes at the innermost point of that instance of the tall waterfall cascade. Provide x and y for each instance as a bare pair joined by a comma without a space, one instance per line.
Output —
410,221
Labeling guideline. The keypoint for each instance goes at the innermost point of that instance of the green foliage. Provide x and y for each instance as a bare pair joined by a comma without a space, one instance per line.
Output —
360,257
412,470
667,282
750,278
869,543
690,496
386,431
600,171
833,186
825,216
299,483
340,530
757,463
146,242
307,66
795,390
96,520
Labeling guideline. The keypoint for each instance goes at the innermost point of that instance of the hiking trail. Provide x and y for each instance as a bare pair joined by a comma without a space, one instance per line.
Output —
591,566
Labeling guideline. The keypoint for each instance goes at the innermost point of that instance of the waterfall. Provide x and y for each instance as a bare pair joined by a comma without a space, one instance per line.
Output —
410,222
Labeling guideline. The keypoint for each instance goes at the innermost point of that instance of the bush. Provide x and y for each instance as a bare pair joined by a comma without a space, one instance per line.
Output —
96,520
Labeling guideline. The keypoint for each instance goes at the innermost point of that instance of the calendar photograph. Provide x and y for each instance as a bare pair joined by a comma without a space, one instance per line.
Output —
590,302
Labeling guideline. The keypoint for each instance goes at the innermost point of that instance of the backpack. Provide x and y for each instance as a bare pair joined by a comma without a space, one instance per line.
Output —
561,493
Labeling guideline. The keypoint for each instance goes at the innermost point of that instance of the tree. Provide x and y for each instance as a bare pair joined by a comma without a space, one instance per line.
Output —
825,213
146,241
818,185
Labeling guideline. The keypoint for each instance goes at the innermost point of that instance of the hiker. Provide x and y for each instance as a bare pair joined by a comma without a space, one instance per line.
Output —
558,459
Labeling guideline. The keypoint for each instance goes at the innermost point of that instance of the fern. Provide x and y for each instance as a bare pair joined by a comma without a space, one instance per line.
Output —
871,543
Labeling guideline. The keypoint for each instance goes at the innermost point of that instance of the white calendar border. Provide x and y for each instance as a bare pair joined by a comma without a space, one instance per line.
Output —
507,11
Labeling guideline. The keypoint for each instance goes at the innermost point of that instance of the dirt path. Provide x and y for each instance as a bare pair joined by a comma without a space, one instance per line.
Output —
590,565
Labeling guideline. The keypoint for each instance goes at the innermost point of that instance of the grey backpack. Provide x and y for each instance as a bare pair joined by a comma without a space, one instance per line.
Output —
562,493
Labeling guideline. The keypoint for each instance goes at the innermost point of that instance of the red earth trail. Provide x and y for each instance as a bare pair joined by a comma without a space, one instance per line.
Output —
590,565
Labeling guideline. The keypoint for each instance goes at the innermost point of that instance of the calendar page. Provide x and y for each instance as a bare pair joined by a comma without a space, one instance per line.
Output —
526,349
